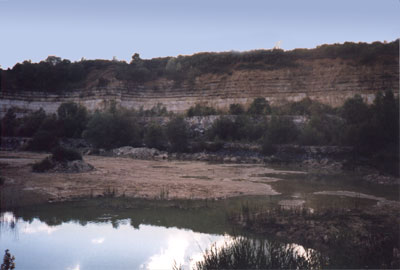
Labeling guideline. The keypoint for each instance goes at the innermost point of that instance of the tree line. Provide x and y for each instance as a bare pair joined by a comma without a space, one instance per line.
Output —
372,130
56,75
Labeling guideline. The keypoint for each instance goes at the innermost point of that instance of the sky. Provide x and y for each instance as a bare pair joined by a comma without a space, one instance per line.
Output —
103,29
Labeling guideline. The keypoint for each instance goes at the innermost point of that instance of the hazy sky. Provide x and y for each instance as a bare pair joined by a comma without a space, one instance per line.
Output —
101,29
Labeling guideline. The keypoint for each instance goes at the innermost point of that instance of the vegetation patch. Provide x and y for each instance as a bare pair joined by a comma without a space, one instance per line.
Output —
245,253
348,238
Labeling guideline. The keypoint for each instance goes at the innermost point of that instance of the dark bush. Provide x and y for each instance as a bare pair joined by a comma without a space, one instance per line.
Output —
154,136
9,123
201,110
259,106
73,119
267,148
113,128
62,154
223,128
31,123
177,134
42,166
281,130
236,109
43,140
355,111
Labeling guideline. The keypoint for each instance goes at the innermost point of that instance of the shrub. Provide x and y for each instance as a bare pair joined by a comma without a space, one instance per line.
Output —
267,148
223,128
114,128
9,123
201,110
43,140
282,130
154,136
259,106
236,109
310,136
44,165
355,111
62,154
73,119
31,123
177,134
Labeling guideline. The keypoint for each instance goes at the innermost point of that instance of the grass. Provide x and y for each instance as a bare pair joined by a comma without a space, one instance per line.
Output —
244,253
349,238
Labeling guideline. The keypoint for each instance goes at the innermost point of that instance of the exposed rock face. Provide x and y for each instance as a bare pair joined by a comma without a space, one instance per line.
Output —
330,81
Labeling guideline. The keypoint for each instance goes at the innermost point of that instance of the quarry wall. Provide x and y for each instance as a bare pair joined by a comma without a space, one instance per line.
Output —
330,81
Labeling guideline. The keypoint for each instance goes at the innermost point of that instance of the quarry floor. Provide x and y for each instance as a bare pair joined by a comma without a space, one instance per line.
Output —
120,176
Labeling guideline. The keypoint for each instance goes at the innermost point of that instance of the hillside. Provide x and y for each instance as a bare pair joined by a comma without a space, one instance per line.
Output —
328,73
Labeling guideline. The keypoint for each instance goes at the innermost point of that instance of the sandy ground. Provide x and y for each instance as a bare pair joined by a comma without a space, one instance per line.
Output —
132,178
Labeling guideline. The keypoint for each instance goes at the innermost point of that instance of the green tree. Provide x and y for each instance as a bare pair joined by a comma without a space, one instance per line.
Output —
73,118
177,134
112,129
281,130
259,106
31,123
236,109
9,123
154,136
355,111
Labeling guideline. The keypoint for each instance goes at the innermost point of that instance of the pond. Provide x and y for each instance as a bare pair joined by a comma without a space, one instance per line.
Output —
82,240
120,233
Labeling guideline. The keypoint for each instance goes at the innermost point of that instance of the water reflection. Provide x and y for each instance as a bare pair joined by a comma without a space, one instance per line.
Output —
71,245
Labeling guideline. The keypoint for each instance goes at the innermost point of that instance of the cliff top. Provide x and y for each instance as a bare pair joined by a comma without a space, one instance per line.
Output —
55,74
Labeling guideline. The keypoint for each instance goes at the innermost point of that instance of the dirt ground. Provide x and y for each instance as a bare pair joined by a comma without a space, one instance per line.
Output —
117,176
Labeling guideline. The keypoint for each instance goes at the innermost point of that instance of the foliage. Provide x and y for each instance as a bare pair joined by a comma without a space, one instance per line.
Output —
236,109
157,110
177,134
73,118
355,111
244,253
259,106
43,166
306,107
267,148
8,261
112,128
31,123
223,128
154,136
47,135
43,140
281,130
322,129
239,128
9,123
62,154
56,74
201,110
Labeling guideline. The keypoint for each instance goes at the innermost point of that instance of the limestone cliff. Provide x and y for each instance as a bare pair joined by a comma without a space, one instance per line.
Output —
328,79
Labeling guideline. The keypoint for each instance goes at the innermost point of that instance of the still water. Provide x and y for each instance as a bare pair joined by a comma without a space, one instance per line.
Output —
101,244
115,233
